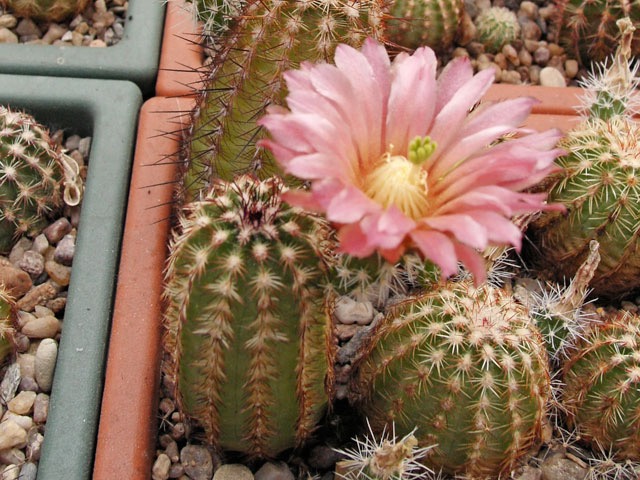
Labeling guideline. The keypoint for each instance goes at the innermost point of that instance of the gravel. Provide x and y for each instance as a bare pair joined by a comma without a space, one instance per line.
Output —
38,280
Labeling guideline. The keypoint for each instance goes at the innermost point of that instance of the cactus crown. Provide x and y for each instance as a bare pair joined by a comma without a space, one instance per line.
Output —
496,27
49,10
245,325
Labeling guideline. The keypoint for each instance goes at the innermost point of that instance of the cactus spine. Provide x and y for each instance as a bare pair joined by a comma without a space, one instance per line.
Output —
246,328
414,23
602,386
247,75
600,185
496,27
49,10
588,27
32,174
458,363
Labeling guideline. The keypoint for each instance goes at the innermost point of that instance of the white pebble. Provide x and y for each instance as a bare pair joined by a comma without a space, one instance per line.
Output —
349,311
45,363
551,77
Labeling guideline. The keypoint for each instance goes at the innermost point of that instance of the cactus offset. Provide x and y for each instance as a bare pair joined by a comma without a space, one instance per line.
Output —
246,327
32,174
588,27
246,76
49,10
602,386
415,23
458,363
496,27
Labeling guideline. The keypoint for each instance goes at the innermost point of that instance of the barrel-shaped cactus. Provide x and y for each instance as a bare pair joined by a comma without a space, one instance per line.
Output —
246,327
49,10
415,23
467,369
34,177
496,27
602,386
268,38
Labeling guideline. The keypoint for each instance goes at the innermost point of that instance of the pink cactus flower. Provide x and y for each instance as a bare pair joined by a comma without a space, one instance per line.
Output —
396,160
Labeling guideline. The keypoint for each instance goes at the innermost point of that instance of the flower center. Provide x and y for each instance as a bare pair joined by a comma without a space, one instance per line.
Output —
401,181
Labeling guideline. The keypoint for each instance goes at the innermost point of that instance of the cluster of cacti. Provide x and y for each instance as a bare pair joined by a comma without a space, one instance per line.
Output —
600,186
246,325
49,10
7,324
414,23
602,385
36,178
467,369
588,27
496,27
267,38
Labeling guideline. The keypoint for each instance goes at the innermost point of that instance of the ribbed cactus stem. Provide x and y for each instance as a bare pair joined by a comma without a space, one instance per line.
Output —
50,10
246,76
246,328
467,369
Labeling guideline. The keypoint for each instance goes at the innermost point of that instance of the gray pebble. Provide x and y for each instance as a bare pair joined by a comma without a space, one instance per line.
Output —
176,471
45,363
27,28
18,250
72,142
32,262
274,471
541,56
57,230
552,77
65,250
40,244
349,311
197,462
28,471
557,467
233,471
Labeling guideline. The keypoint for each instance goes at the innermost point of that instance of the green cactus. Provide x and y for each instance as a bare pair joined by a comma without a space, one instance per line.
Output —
36,178
602,386
588,27
7,324
246,76
49,10
414,23
467,368
245,322
600,187
217,15
496,27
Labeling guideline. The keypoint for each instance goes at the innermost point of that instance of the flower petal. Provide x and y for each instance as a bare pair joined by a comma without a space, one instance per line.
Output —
438,248
463,227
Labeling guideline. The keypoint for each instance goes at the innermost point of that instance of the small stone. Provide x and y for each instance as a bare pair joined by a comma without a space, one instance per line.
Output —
34,444
12,456
15,280
274,471
41,311
41,408
57,304
551,77
12,435
511,55
525,57
29,471
43,327
558,467
65,250
40,244
164,440
22,403
27,364
529,10
541,56
84,146
167,406
8,21
45,363
323,457
177,471
178,431
161,466
58,273
67,37
28,28
475,49
97,43
7,36
37,296
345,332
10,382
76,39
233,471
57,230
349,311
10,472
28,384
32,262
530,30
197,462
529,473
500,60
24,421
18,250
571,68
534,74
55,32
172,451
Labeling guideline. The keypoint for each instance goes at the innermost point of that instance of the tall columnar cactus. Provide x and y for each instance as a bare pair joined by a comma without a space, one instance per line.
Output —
36,178
468,368
602,386
49,10
588,27
414,23
246,327
246,75
600,185
496,27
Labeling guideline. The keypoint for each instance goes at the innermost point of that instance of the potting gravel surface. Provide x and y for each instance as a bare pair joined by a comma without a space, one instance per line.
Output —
101,24
36,272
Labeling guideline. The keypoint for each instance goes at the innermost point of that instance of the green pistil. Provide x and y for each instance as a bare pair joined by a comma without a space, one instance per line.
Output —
420,149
